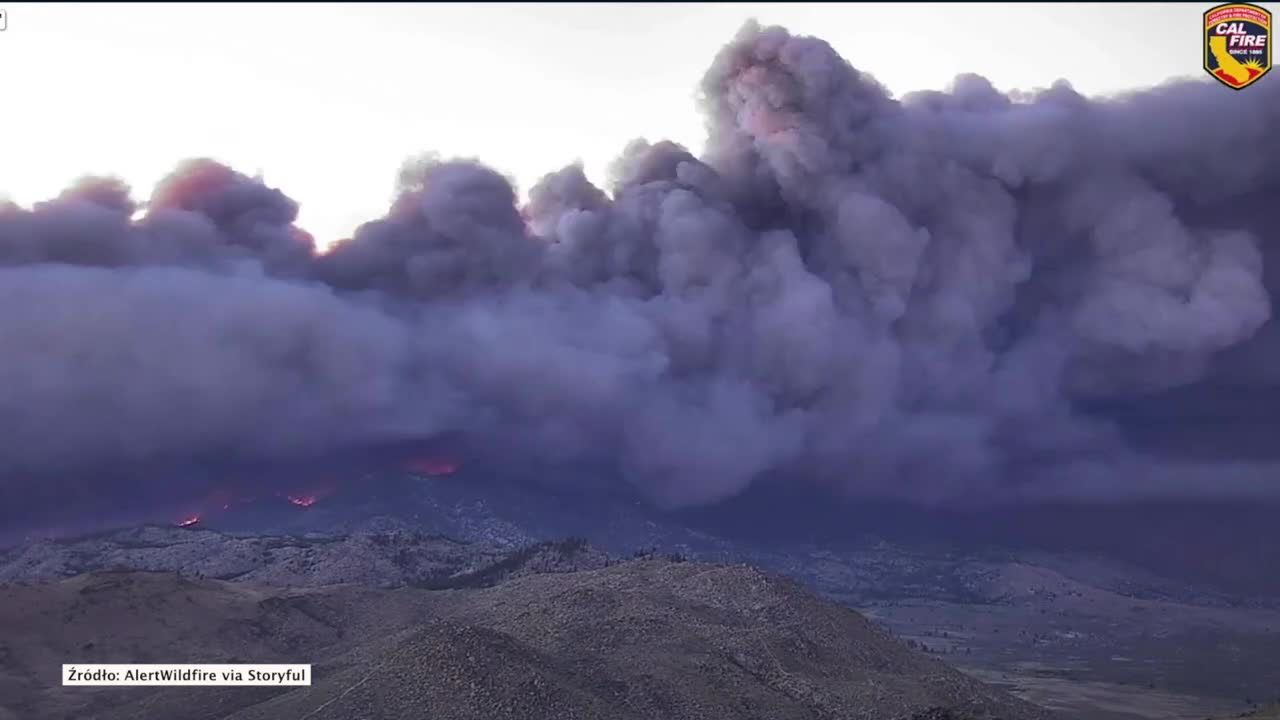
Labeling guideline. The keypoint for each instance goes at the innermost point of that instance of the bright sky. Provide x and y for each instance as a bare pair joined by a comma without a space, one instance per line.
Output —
328,100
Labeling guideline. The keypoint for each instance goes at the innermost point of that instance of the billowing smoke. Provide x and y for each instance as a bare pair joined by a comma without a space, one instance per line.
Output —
950,297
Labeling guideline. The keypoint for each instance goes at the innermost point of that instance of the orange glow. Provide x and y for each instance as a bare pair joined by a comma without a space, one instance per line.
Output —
306,497
304,501
189,521
434,467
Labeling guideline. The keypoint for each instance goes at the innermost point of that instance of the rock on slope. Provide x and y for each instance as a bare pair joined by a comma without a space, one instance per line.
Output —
641,639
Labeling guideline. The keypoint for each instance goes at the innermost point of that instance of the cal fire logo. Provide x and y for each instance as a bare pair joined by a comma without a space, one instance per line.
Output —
1237,44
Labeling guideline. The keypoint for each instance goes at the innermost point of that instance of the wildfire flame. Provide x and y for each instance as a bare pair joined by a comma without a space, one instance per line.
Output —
433,467
306,497
189,521
304,501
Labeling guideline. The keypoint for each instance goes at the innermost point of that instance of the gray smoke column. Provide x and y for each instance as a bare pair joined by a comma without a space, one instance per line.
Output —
913,298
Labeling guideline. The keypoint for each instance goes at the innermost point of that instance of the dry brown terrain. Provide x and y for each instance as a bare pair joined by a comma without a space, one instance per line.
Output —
641,639
1095,640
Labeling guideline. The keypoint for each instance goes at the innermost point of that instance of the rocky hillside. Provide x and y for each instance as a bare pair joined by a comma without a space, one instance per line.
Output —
640,639
1269,712
391,558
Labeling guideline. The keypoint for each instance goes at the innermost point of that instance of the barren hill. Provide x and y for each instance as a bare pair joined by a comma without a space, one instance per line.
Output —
642,639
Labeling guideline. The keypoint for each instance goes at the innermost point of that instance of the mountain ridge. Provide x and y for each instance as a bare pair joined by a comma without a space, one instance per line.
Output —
647,637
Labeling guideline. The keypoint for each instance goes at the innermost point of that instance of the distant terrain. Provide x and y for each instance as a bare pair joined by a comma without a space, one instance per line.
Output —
532,634
1270,712
1092,637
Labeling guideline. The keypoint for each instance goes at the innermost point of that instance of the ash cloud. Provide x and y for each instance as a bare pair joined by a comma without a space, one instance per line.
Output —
952,297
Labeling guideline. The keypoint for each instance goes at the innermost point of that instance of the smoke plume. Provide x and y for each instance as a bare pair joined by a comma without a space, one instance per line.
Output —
959,296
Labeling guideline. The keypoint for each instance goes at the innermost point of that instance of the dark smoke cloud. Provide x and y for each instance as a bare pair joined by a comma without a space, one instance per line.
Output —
953,297
454,228
246,214
202,215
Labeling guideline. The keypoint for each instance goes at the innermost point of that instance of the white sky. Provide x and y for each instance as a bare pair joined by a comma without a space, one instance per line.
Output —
328,100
